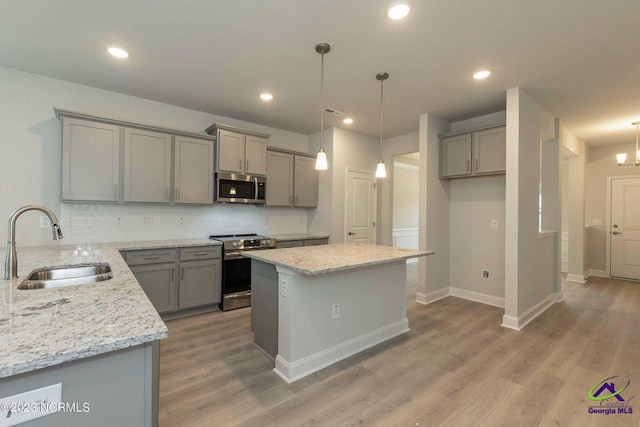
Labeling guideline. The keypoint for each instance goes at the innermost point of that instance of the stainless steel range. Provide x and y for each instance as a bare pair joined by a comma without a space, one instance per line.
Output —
236,269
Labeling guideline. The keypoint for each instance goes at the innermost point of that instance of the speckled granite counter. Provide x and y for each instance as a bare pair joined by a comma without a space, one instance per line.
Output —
47,327
300,236
314,260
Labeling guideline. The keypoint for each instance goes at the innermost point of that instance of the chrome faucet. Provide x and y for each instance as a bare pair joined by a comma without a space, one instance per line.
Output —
11,259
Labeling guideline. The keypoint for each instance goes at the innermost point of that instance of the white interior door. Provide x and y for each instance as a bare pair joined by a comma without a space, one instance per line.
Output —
360,208
625,228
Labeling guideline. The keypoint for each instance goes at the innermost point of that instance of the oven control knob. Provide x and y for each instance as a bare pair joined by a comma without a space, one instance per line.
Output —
235,244
265,242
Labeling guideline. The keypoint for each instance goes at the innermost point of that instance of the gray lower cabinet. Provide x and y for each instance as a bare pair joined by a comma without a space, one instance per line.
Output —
178,279
159,283
199,283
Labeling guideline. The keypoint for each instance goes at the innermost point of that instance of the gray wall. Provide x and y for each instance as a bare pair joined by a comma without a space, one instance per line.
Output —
406,179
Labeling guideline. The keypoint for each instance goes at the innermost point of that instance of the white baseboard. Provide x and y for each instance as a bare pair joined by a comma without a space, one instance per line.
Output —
432,296
521,321
558,297
293,371
477,297
598,273
576,278
564,267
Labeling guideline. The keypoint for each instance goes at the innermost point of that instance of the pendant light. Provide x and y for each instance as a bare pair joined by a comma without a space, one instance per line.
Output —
622,157
381,171
321,157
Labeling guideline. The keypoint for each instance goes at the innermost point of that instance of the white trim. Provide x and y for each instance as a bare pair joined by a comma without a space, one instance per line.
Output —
405,166
432,296
558,297
517,323
405,231
477,297
564,267
542,234
291,372
576,278
597,273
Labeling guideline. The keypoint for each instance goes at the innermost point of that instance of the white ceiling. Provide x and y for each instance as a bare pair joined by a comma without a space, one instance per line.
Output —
578,58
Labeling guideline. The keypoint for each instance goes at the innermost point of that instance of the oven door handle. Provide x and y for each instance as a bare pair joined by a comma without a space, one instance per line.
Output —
233,255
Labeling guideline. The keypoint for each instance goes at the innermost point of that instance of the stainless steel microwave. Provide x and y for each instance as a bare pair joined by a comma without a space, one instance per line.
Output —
237,188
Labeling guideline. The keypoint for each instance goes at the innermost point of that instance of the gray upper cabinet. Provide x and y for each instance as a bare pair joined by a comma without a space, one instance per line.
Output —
106,160
291,180
305,182
239,153
147,166
193,170
473,153
90,160
455,155
255,155
280,179
490,151
239,150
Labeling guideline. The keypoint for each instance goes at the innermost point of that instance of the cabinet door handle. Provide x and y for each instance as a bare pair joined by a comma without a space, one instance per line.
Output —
172,272
240,164
182,273
177,194
115,190
151,257
201,253
476,164
468,165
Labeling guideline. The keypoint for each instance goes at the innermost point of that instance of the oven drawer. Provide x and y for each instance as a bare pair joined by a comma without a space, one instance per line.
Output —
203,252
151,256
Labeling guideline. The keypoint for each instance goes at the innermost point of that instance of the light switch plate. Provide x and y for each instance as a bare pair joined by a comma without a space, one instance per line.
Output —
44,221
147,221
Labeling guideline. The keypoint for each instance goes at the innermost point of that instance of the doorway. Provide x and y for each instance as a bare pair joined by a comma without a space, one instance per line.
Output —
406,180
360,207
624,227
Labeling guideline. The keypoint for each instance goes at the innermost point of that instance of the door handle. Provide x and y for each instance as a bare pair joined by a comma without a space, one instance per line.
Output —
351,233
468,166
616,232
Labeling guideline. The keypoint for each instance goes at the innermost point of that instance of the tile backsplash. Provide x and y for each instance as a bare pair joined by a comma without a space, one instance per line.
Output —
96,223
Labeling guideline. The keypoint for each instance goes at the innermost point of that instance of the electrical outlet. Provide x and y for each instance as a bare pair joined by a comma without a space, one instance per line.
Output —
485,274
147,221
284,288
44,221
66,221
32,404
181,221
597,221
335,311
494,224
119,221
266,220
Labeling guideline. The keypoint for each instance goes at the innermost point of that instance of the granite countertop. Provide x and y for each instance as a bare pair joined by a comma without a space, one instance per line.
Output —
300,236
46,327
322,259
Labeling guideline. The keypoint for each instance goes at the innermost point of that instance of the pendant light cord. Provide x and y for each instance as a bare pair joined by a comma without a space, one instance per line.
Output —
381,99
322,102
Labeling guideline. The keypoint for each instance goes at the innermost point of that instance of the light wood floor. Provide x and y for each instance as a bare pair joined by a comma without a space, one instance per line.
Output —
456,367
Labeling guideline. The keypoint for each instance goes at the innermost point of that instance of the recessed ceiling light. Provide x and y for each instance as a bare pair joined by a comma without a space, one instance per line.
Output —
482,74
266,96
347,121
118,53
398,10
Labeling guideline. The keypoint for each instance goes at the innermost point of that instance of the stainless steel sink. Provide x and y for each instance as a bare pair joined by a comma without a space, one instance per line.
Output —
55,277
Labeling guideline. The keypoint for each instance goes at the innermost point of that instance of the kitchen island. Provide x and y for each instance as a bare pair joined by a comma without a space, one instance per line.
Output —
314,306
99,341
